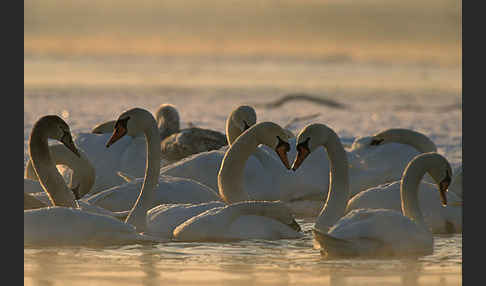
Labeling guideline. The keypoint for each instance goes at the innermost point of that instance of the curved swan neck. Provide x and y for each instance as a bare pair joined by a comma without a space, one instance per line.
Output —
138,214
230,176
49,177
84,173
415,139
409,187
232,132
338,193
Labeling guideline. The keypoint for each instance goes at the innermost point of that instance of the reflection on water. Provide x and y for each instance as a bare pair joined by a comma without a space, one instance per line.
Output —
283,262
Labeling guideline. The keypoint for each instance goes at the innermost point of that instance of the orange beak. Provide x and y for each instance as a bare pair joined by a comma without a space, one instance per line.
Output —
282,154
442,191
118,133
302,153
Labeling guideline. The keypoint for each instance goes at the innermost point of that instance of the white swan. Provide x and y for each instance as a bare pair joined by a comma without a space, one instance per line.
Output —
82,180
438,218
244,220
370,232
83,172
63,224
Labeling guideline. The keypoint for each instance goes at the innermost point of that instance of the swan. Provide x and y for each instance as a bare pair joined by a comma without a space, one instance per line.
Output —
438,218
83,172
82,180
370,232
217,222
63,224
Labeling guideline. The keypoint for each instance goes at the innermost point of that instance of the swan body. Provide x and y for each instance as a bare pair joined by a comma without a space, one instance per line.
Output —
68,226
215,216
169,190
63,224
370,232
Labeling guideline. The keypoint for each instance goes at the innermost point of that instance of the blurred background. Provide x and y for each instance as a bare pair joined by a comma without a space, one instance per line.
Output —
387,45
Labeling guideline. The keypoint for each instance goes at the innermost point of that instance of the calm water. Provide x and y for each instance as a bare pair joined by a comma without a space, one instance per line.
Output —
283,262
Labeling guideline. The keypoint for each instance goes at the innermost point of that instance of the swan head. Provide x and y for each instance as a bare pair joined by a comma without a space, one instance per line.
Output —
311,137
275,137
438,168
240,119
131,122
168,120
56,128
244,117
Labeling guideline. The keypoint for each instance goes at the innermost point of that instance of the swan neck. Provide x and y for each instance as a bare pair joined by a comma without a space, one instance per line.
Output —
232,132
409,187
230,176
338,193
138,214
417,140
167,128
49,177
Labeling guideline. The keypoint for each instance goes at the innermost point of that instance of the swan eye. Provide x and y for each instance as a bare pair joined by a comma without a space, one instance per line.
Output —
304,145
122,122
246,126
376,141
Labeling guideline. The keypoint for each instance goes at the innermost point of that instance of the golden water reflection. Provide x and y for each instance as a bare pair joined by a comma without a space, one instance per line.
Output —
156,265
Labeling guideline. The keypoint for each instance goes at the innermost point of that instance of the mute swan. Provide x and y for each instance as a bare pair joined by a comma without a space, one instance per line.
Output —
83,172
370,232
438,218
244,220
82,180
62,224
